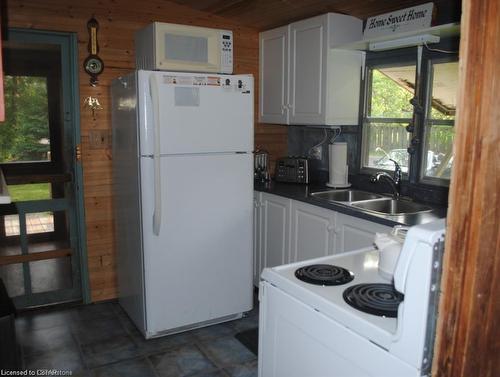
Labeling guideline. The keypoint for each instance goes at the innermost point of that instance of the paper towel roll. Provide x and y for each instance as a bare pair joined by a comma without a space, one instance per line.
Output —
338,165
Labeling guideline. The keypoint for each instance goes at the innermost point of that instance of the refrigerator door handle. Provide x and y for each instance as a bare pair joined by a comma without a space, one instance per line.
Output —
153,89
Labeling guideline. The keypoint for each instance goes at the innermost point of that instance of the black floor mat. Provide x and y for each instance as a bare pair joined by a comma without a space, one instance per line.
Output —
250,339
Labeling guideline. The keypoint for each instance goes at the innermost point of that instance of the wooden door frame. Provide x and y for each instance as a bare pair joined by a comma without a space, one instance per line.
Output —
71,121
468,342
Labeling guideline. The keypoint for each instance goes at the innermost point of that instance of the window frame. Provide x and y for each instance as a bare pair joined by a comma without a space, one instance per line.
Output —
394,58
432,58
423,89
54,111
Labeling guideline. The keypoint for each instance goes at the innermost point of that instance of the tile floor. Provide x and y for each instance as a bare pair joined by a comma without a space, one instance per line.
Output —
99,340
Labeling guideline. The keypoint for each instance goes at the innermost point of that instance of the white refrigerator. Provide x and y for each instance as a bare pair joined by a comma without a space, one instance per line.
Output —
183,183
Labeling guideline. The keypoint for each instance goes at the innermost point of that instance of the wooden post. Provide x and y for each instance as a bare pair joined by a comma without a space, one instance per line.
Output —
468,337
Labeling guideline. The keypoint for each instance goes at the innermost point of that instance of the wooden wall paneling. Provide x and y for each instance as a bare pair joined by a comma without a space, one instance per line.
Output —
267,14
118,21
468,336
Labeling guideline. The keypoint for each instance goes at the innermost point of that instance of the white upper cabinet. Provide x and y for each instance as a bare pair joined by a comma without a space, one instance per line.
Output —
274,76
303,80
308,51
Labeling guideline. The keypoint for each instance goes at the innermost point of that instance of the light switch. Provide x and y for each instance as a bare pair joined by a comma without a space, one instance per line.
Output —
99,139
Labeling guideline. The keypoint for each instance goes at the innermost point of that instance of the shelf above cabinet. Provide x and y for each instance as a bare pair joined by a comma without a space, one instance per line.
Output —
442,31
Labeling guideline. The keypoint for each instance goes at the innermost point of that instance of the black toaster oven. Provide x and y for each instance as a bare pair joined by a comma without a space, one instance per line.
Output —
292,169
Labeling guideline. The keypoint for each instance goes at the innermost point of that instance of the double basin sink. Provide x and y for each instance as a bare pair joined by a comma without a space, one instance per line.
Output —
370,202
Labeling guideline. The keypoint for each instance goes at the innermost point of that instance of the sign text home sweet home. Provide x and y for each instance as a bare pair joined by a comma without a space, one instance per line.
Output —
404,20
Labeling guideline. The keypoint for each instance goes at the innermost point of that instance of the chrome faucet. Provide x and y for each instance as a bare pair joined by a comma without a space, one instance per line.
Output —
394,181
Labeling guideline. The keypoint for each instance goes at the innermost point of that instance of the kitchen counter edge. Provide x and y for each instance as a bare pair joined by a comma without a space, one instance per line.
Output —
302,193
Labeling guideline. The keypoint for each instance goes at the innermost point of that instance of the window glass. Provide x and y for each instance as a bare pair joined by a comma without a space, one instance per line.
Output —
25,134
439,130
386,141
392,89
388,113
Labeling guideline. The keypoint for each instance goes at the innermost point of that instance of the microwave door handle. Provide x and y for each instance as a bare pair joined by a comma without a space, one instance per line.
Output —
153,90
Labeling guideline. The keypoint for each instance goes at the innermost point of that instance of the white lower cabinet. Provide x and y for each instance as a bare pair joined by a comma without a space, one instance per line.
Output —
287,231
275,230
355,233
312,232
257,230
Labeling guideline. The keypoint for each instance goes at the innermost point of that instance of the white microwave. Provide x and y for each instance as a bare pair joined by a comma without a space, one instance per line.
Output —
172,47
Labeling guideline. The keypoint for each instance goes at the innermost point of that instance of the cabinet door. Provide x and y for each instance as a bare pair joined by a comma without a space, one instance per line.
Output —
353,233
257,231
274,76
312,232
275,230
308,54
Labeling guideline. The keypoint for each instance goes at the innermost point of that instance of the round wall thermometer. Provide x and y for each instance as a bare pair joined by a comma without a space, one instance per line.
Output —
93,64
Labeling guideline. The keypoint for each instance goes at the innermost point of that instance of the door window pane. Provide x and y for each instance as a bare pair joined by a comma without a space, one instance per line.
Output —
12,276
35,191
25,134
51,274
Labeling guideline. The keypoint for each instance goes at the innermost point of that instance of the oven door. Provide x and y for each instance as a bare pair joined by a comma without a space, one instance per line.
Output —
296,340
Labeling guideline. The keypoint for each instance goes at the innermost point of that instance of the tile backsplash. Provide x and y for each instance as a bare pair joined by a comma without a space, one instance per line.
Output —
302,139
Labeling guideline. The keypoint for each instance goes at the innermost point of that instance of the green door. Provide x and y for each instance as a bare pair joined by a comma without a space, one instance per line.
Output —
42,253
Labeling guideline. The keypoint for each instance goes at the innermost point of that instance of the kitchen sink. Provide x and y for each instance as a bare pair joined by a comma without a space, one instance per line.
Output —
392,207
345,196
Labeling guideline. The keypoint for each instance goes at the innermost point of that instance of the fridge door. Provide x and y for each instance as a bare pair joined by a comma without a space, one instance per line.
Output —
199,266
188,113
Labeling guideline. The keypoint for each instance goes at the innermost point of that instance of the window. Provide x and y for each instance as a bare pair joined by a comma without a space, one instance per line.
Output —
25,134
388,112
390,123
440,116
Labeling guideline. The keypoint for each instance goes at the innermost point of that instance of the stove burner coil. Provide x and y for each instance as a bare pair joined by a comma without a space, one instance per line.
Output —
324,274
377,299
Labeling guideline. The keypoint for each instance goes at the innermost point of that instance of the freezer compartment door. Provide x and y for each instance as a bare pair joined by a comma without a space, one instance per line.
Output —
199,266
187,117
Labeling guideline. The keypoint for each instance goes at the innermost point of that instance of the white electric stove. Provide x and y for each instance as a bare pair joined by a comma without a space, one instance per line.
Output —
307,327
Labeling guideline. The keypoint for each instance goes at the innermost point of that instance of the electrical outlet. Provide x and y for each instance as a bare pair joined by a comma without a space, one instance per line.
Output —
99,139
316,152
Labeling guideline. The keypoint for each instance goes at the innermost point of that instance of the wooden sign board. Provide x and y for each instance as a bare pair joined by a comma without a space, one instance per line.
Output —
401,21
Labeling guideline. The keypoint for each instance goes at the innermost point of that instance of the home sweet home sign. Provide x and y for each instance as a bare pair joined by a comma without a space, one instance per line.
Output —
401,21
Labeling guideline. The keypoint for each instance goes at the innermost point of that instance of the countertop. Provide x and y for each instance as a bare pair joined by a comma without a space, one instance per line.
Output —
302,193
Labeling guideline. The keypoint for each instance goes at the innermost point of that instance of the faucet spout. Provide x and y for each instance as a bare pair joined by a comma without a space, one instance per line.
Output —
394,181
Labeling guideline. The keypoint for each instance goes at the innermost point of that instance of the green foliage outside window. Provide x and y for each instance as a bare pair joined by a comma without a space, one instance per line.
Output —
25,134
389,99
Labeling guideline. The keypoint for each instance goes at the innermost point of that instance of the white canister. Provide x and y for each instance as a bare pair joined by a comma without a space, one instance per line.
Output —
389,246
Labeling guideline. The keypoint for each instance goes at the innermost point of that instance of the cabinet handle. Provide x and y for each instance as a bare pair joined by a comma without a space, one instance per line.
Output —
330,228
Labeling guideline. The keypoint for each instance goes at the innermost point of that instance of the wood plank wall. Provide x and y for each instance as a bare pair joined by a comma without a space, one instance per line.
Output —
468,334
118,21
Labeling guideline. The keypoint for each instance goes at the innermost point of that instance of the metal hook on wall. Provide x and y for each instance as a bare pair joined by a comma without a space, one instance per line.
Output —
92,103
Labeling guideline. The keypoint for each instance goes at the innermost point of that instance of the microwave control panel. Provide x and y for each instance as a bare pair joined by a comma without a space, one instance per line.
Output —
226,40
